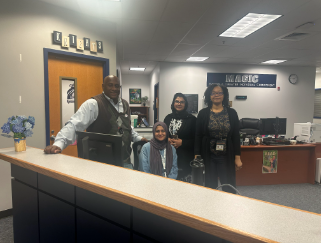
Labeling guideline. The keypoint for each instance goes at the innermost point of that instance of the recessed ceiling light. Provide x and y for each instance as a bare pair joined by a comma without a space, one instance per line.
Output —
274,61
196,59
249,24
137,69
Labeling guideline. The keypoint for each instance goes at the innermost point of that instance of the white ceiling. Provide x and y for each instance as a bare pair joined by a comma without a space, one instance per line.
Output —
150,31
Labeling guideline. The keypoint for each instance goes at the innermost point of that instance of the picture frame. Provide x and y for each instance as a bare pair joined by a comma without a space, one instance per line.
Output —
68,98
135,96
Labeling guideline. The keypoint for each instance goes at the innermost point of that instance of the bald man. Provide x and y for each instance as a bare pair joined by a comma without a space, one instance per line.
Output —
104,113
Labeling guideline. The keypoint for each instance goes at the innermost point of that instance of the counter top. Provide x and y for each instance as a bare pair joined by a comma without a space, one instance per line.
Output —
297,146
232,217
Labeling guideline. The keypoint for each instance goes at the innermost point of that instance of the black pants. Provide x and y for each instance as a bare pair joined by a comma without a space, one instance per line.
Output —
217,168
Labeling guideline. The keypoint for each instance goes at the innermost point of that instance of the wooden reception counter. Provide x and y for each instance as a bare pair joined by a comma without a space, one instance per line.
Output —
58,198
296,164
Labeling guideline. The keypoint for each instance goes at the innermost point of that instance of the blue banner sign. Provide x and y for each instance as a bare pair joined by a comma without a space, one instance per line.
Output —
242,80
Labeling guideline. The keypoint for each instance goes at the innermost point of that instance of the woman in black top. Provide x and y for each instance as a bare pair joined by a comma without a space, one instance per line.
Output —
181,124
217,138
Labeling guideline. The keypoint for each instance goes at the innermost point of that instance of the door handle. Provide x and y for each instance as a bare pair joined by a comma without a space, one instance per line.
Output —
52,138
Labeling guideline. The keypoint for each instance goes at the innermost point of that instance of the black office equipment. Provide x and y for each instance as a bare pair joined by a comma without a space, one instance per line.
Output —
100,147
250,126
192,100
198,171
275,126
241,97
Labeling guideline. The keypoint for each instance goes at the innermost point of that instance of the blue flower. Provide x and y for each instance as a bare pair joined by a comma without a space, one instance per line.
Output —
31,120
28,133
6,128
15,122
28,125
18,128
11,118
22,117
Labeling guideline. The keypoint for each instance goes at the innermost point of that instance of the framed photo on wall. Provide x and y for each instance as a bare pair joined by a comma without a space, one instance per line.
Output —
135,96
68,98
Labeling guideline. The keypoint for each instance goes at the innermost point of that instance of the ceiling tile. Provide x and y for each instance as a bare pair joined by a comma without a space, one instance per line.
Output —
171,31
231,51
309,11
210,50
136,47
312,43
176,58
185,50
252,53
143,9
144,57
228,12
277,6
202,33
161,48
185,10
139,30
286,53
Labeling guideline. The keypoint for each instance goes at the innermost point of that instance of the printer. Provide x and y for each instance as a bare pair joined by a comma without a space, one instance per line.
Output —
307,132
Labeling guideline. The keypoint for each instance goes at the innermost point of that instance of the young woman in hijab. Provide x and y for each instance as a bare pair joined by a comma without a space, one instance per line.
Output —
217,138
181,125
159,157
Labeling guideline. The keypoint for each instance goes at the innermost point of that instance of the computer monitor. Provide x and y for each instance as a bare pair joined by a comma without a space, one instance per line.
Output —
100,147
275,126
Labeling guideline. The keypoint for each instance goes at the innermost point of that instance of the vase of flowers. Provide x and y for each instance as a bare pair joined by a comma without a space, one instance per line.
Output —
144,100
21,126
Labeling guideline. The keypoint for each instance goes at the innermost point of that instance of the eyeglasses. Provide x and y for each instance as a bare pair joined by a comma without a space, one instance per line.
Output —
180,102
117,86
217,93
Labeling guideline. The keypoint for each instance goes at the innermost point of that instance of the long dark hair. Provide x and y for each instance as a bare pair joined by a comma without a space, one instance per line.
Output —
208,92
182,96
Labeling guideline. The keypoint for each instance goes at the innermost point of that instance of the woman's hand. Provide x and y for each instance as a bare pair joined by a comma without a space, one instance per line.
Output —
238,163
177,143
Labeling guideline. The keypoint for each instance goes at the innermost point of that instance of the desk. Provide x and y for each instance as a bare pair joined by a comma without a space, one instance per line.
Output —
58,198
296,164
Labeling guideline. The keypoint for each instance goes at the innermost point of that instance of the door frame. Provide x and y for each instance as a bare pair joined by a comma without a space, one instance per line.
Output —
156,110
46,52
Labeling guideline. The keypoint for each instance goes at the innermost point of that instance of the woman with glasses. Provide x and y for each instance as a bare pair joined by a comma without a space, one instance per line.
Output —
181,126
217,138
159,157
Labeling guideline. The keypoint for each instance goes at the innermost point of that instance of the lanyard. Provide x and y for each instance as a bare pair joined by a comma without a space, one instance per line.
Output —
164,162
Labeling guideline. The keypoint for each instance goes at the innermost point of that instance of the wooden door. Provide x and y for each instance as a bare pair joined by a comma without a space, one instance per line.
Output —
89,76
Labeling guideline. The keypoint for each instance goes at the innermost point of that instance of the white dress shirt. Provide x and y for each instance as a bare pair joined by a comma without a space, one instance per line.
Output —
82,119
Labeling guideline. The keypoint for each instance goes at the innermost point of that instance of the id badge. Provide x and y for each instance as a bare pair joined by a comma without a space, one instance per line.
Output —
220,145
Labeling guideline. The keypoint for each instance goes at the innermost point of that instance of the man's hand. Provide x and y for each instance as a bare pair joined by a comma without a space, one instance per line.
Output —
238,163
177,142
144,140
51,149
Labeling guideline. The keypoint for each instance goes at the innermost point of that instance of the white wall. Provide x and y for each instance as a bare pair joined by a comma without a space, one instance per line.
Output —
154,79
294,102
318,80
26,28
135,81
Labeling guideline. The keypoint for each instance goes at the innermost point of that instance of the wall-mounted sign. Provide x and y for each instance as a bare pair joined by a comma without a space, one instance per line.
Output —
73,41
57,37
242,80
86,43
65,41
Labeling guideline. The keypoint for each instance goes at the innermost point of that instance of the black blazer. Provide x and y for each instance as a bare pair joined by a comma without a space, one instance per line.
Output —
202,140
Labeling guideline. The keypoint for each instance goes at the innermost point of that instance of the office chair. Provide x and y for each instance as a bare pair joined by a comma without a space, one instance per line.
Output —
137,146
250,126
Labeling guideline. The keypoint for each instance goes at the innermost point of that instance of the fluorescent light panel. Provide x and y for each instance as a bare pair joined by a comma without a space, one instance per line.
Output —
196,59
137,69
274,61
249,24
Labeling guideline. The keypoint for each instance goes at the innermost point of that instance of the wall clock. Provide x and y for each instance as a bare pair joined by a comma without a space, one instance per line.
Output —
293,78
